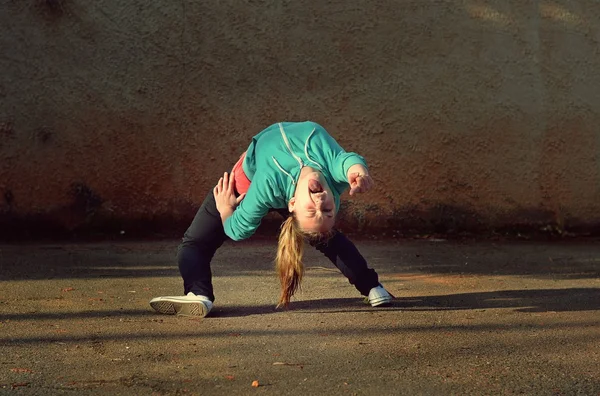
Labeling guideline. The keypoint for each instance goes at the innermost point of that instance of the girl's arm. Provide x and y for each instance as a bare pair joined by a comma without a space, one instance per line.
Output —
346,167
225,198
241,220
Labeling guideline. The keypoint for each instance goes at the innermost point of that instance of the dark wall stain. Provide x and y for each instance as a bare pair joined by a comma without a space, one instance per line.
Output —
6,130
51,8
448,222
84,199
44,134
9,197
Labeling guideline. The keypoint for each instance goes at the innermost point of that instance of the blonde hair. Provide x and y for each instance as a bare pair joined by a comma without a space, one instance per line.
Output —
288,262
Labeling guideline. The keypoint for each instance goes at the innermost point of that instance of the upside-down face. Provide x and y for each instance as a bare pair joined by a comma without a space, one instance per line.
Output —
313,204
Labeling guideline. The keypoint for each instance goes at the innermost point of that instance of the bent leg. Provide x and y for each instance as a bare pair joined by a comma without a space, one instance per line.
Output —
199,244
346,257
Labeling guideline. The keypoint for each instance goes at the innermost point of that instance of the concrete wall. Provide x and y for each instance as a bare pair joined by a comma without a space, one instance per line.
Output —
474,115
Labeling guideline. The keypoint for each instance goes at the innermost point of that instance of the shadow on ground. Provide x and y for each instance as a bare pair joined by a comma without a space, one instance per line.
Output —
575,299
544,300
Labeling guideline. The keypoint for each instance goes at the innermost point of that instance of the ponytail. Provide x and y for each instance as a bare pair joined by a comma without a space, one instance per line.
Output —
288,262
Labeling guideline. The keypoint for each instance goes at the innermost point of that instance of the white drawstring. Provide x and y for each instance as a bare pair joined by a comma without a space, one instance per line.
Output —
306,150
287,144
298,159
283,170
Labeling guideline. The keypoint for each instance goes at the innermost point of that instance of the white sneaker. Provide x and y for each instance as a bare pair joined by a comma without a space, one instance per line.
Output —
379,296
190,305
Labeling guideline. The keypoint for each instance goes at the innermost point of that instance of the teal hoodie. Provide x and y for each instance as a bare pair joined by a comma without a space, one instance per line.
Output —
273,162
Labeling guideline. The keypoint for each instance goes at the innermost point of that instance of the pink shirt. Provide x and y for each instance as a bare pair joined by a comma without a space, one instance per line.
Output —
242,183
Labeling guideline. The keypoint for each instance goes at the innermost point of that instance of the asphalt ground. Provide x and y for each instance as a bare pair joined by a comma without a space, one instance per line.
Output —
483,318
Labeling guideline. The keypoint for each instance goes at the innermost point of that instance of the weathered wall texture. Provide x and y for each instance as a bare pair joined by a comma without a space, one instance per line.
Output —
473,114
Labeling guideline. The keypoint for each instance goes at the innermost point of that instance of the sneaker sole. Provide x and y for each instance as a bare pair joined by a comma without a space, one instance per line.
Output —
380,302
167,307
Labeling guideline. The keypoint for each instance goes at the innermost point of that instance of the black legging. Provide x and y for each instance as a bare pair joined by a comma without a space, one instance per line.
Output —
206,234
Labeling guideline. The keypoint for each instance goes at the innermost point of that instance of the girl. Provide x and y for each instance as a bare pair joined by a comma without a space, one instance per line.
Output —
293,165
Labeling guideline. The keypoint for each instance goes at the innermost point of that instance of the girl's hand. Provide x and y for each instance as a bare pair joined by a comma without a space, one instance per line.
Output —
225,198
359,179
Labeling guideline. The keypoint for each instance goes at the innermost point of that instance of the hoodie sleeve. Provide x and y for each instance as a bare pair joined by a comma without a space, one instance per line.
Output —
340,160
249,213
343,162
